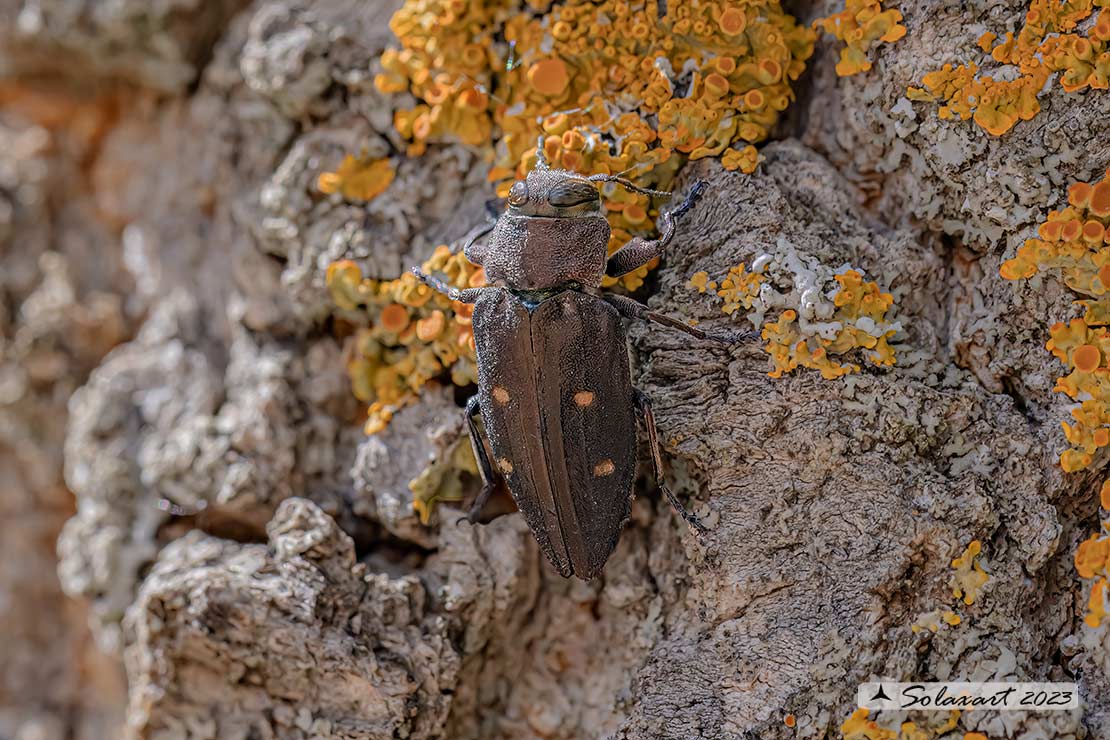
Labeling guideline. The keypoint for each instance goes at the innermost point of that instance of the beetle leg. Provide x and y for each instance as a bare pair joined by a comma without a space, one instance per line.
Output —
484,465
469,295
639,251
477,233
643,410
633,309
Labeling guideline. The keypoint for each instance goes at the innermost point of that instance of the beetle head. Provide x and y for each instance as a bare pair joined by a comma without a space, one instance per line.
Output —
552,233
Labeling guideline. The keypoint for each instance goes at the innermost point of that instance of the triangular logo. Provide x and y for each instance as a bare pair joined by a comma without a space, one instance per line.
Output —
880,694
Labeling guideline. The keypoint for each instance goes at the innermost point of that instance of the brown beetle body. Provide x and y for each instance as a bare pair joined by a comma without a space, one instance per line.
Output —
554,389
557,404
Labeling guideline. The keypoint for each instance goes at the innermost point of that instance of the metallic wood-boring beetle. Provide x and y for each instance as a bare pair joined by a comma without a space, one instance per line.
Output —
554,387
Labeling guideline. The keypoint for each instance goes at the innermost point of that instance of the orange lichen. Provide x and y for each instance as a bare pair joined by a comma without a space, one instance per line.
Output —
745,159
974,736
1073,241
612,87
1092,562
858,317
357,178
931,621
859,727
1045,45
412,334
790,721
1092,556
1097,605
789,350
969,577
861,25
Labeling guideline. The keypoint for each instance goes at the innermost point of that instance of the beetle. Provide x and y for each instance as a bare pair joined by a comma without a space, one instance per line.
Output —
555,391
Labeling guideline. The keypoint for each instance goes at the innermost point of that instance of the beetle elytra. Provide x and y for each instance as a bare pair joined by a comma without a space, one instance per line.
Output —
555,391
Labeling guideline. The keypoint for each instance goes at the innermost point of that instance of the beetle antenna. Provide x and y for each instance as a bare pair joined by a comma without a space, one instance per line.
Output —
541,155
628,184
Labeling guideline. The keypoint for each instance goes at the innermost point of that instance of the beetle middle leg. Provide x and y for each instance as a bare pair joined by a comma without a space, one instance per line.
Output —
633,309
643,410
485,467
639,251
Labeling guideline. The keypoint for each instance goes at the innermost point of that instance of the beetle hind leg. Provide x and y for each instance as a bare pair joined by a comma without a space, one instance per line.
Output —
485,467
643,410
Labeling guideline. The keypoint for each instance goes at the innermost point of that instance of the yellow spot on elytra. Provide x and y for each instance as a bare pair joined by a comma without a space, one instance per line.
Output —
504,465
500,395
584,398
604,468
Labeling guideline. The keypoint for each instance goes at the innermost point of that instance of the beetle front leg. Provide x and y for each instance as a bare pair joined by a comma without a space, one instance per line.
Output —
633,309
643,410
485,467
639,251
469,295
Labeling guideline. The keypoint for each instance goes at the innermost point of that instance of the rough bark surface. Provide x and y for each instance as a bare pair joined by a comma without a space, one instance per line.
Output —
235,542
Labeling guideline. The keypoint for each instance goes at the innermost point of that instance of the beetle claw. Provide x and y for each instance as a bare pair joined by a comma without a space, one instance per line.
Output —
692,197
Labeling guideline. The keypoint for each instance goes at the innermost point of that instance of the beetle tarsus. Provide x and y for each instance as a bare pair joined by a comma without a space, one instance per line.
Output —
689,518
695,193
639,251
644,411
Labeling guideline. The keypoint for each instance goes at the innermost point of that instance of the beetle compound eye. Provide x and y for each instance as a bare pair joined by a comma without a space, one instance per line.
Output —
572,193
518,193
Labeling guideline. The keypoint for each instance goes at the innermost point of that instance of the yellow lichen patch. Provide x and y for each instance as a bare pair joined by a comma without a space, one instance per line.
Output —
411,334
739,289
1092,562
1073,242
612,86
1092,556
861,25
442,480
931,621
357,178
745,159
1097,605
969,577
700,282
859,727
789,350
857,320
1045,45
